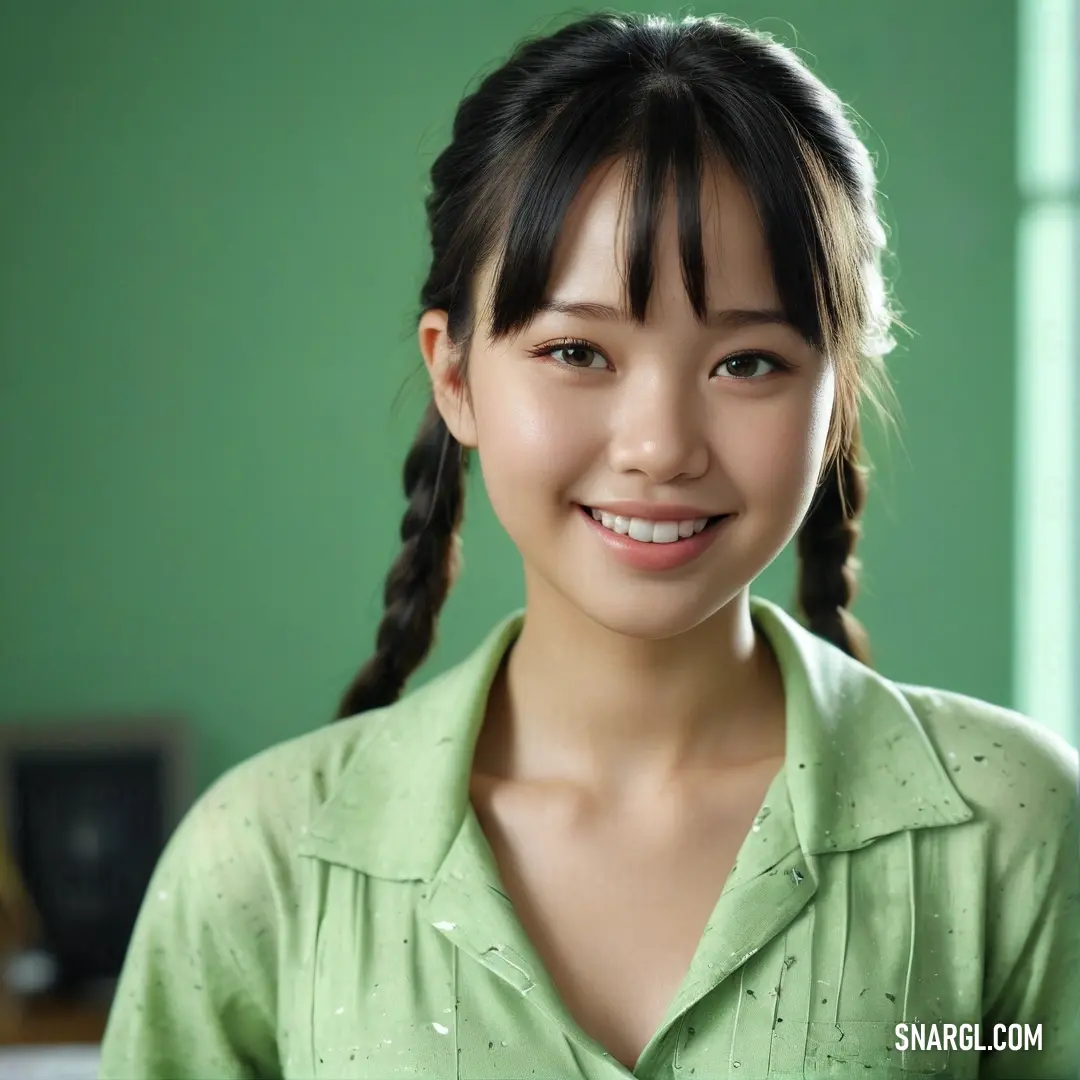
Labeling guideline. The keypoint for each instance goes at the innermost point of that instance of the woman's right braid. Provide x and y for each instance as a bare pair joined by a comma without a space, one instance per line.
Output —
418,581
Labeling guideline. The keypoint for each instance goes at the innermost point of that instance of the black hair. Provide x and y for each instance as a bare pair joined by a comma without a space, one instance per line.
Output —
668,98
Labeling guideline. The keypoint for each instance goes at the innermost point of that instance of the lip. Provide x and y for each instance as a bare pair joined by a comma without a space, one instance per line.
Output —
655,557
653,511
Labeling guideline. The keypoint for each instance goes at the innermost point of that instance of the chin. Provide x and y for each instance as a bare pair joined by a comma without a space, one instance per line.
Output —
658,613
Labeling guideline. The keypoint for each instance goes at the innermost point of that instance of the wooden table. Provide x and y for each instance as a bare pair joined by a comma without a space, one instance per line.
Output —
52,1021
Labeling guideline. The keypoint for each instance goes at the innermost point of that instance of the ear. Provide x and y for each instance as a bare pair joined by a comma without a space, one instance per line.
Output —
447,385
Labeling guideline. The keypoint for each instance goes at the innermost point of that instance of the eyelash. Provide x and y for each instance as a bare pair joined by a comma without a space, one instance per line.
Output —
579,343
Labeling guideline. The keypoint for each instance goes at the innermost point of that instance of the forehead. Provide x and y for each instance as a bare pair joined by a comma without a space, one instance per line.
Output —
591,255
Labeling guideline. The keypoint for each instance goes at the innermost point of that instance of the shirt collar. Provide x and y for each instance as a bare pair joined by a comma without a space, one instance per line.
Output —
859,764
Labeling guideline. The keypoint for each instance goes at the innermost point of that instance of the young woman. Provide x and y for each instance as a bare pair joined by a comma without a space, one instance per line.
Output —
653,826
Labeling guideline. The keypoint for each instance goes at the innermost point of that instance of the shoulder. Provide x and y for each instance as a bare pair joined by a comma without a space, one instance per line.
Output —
1019,778
990,750
230,883
258,811
223,916
330,786
1022,784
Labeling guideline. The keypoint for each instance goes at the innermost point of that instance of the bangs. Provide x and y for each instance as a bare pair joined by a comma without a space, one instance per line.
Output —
670,135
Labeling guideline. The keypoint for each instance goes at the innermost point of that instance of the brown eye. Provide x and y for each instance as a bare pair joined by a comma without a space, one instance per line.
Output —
578,356
571,353
749,366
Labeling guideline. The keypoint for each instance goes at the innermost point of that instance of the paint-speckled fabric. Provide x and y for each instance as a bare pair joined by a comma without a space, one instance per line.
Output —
331,908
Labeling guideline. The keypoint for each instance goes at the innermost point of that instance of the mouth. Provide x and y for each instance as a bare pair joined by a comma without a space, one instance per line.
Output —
652,532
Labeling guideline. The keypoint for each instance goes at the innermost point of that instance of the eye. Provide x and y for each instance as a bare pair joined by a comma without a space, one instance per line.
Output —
572,353
746,366
578,355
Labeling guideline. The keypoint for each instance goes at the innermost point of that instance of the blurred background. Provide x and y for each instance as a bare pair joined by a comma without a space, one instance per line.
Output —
212,244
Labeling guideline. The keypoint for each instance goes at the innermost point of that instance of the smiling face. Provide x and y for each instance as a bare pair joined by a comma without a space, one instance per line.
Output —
730,417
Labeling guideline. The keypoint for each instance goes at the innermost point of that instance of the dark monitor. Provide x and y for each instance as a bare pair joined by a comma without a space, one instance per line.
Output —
89,805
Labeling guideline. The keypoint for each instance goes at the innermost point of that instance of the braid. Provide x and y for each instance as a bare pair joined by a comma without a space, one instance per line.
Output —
416,587
829,569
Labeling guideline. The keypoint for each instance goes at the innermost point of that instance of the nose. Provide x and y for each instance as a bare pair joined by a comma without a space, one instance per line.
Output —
658,429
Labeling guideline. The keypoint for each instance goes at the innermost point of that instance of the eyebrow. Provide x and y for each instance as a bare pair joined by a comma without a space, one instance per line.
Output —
729,319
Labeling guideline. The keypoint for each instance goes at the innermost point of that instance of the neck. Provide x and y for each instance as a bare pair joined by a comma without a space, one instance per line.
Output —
577,702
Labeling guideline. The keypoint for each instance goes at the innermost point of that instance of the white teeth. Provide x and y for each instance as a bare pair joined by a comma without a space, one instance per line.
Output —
613,522
650,532
660,532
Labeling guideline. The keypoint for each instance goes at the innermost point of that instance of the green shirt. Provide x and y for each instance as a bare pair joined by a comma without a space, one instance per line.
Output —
331,908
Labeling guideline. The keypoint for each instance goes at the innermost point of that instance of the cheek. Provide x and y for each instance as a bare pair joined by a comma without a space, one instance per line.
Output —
532,438
822,408
776,449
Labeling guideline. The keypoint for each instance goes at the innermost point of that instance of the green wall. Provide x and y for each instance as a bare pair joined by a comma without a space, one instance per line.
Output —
212,243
